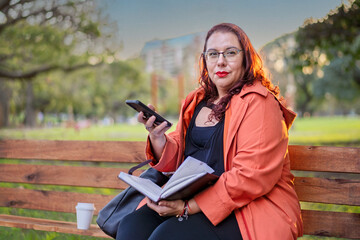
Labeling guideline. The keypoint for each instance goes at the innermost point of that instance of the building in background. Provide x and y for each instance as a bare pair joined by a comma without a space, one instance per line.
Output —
175,56
173,60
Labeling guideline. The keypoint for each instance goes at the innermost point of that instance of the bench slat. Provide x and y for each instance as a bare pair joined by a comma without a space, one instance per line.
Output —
328,226
331,224
335,191
317,158
49,225
104,151
63,175
321,190
50,200
307,158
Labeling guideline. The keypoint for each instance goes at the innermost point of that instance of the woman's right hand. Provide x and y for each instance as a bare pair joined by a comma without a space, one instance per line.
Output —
156,133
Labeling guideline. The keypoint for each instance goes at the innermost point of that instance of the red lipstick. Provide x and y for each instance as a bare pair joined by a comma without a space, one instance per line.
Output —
222,74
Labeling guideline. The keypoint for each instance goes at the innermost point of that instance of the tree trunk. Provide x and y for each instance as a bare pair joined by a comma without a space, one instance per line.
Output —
303,85
30,117
5,93
356,75
2,115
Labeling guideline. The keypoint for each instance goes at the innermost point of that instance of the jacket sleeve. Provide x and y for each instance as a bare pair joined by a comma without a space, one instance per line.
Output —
168,160
256,159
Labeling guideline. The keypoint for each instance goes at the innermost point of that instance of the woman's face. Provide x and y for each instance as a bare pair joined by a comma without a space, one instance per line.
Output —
224,73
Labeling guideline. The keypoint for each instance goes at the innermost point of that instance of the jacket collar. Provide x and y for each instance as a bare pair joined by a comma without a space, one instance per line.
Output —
256,87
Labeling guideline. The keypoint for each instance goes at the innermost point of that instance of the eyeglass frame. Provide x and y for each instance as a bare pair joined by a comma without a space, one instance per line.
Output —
223,53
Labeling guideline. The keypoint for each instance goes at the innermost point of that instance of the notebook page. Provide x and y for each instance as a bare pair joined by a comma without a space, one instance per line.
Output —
145,186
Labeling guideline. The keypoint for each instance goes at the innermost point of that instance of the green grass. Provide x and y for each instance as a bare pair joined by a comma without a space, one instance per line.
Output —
24,234
333,131
119,132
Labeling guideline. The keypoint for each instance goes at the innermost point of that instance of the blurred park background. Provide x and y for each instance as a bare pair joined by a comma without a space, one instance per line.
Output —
63,76
62,71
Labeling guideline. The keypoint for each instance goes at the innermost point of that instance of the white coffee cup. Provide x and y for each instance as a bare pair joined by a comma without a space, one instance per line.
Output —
84,214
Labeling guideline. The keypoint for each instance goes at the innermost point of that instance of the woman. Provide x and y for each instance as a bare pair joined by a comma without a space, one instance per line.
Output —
235,123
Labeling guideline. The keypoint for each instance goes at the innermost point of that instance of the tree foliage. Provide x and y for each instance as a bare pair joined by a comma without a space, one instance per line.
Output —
327,53
40,36
337,35
92,94
42,42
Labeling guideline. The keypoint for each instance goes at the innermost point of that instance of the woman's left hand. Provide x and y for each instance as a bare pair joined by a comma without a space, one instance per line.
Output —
166,208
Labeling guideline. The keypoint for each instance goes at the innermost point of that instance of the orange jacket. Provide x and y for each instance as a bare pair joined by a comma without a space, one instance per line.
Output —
257,183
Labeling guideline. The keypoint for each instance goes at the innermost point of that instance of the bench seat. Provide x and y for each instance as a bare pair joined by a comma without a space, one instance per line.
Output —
49,225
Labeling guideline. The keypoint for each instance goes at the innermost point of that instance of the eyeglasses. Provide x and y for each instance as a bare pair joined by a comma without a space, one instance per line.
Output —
230,55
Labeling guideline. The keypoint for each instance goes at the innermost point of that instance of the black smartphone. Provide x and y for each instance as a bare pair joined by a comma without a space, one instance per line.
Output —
148,112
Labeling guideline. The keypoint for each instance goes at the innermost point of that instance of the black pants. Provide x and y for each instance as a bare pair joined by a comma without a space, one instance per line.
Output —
147,224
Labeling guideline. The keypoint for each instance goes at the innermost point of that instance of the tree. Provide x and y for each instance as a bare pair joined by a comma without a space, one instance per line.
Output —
277,61
41,36
328,52
124,80
337,35
86,93
44,33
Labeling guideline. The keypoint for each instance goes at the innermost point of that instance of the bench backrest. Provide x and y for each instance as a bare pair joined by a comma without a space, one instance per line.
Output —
329,177
325,175
59,154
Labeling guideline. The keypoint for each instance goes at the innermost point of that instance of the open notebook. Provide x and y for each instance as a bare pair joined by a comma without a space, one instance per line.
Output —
190,178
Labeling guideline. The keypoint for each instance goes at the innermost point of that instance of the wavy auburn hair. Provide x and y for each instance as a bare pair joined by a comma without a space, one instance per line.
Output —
252,70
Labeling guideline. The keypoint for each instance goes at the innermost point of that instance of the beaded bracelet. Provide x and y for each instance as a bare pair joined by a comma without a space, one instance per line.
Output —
185,213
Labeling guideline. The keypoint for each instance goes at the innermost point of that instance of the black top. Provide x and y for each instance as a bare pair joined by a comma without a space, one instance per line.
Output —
206,143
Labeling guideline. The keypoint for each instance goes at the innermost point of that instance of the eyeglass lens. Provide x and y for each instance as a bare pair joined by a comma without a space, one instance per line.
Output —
229,55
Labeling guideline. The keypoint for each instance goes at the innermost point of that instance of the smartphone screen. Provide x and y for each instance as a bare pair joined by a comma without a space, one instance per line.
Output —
148,112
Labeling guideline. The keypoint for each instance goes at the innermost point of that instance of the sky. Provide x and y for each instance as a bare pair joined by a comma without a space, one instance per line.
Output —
140,21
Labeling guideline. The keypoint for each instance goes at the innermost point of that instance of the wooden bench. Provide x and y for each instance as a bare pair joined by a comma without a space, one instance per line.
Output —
328,175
